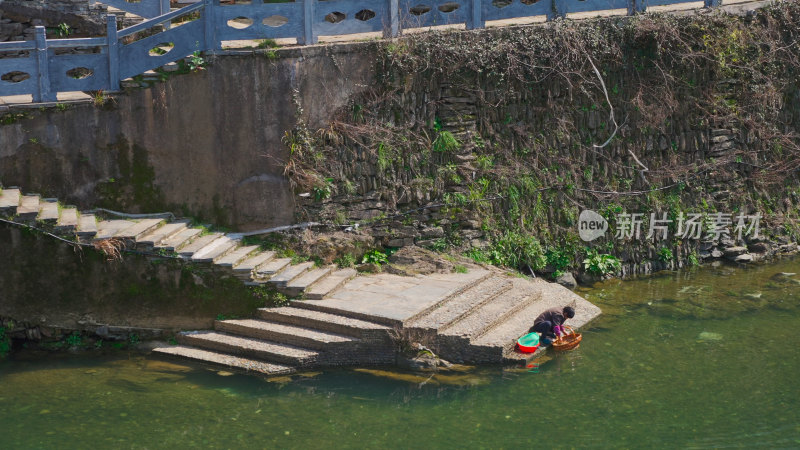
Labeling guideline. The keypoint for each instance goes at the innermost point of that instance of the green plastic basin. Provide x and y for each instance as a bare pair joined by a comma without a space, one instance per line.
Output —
528,343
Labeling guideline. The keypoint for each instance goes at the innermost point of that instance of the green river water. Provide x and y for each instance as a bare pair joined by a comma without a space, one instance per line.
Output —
696,359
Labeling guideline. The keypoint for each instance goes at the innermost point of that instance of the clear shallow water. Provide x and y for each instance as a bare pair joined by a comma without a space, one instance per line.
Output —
655,370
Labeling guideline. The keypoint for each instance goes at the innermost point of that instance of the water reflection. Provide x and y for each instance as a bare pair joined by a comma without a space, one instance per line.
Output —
694,359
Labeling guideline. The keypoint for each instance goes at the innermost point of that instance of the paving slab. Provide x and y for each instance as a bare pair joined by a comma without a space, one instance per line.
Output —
250,264
391,299
28,208
215,250
282,278
462,303
329,284
305,280
226,360
283,333
159,234
319,320
198,244
140,228
9,200
48,211
106,229
179,239
236,256
249,347
67,221
483,318
87,225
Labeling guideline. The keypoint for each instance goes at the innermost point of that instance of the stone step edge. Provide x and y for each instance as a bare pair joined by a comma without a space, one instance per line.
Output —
314,305
231,245
299,290
271,315
313,296
224,360
283,337
279,283
141,241
449,297
506,287
192,338
531,298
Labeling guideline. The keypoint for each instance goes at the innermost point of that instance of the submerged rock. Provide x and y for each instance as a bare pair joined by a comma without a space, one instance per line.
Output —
709,336
782,275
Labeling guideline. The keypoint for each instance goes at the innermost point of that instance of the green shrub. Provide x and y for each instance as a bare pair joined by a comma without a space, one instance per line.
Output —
665,254
375,257
445,142
346,260
600,264
321,192
517,250
74,340
267,43
692,260
270,296
477,255
559,259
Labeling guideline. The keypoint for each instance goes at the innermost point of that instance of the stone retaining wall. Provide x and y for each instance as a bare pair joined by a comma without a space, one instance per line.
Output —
19,17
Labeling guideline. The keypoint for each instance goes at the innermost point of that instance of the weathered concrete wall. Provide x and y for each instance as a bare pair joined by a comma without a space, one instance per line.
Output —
206,144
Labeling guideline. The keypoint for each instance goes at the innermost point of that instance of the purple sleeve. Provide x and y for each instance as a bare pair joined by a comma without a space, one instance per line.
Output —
558,330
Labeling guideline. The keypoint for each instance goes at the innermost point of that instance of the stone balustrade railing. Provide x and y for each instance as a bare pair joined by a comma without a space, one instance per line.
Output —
43,67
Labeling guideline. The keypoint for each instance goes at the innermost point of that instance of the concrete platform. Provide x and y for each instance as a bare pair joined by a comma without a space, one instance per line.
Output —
393,299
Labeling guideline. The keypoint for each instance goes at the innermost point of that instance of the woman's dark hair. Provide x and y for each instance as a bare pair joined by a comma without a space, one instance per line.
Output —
569,312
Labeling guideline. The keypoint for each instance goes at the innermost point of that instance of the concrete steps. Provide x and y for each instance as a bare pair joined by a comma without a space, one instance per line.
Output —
270,268
28,208
48,211
244,269
215,250
282,333
457,306
155,237
67,221
329,284
139,229
249,347
304,281
197,244
237,256
107,229
226,360
321,320
87,226
254,267
283,277
483,318
178,240
9,201
342,319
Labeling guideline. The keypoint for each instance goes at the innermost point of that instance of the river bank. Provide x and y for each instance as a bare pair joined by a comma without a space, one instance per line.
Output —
647,373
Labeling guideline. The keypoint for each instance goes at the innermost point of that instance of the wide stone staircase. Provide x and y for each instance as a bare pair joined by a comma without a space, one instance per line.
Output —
467,318
338,318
